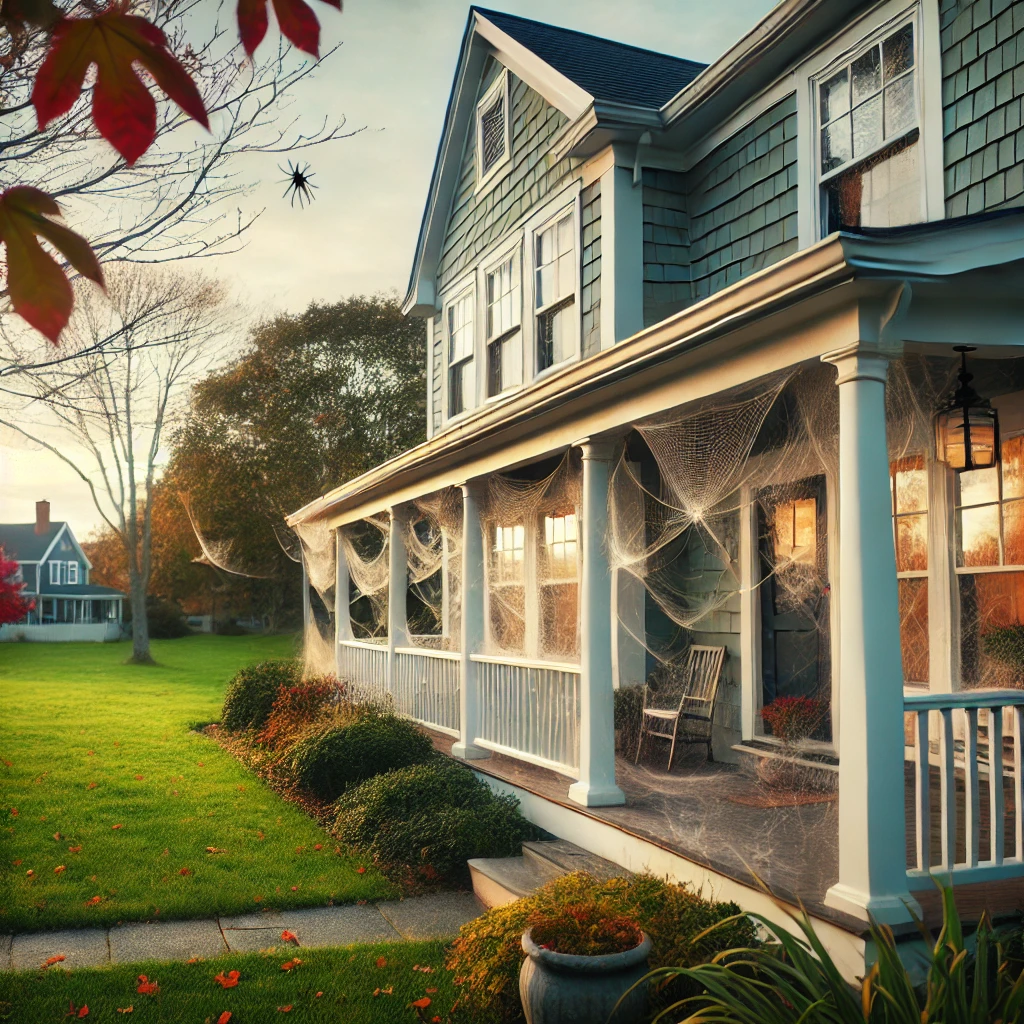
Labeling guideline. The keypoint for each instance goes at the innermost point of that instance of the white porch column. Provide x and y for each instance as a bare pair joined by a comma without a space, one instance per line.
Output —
398,586
342,599
872,825
473,625
596,786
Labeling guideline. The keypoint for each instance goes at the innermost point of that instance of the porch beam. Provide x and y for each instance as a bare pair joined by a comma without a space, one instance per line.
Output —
872,819
596,786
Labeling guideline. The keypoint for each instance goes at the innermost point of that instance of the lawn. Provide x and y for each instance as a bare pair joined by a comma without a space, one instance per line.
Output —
345,979
113,809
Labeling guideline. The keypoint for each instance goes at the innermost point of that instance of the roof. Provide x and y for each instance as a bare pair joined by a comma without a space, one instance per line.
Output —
608,70
78,590
21,542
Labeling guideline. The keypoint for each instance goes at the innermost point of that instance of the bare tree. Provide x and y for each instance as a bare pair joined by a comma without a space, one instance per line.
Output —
112,406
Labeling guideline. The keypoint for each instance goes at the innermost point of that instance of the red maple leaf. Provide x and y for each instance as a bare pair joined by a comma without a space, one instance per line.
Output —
229,980
287,936
147,987
122,107
296,19
224,1017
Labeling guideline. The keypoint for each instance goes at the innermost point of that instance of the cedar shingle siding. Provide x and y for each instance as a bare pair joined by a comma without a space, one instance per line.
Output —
982,96
742,197
590,222
666,245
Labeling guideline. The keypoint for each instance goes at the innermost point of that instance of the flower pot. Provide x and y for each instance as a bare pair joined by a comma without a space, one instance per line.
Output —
558,988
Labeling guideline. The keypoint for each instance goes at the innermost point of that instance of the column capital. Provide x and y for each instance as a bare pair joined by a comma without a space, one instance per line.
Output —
598,449
860,362
398,511
472,488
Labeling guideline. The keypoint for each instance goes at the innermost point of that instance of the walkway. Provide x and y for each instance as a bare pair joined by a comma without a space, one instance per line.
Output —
438,916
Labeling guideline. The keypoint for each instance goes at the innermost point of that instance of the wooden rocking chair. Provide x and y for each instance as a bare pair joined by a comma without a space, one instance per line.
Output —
682,695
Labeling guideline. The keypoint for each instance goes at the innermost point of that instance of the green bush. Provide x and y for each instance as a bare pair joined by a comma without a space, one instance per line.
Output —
165,619
629,703
251,693
432,816
487,955
329,763
1006,645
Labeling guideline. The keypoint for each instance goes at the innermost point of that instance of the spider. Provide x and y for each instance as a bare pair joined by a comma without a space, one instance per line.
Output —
299,184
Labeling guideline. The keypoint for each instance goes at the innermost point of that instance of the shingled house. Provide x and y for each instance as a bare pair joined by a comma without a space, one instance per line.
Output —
722,358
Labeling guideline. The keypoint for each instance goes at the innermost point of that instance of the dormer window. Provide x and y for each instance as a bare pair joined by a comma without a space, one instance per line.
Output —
869,129
493,137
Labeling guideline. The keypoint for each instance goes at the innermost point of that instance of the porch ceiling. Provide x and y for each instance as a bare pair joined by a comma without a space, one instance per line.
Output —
933,284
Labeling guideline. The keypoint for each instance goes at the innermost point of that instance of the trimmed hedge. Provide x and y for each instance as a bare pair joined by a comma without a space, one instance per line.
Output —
251,693
329,763
487,955
432,816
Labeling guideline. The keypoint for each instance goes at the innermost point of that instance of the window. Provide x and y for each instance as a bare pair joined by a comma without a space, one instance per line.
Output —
908,484
555,291
990,562
796,532
461,383
869,173
72,572
508,587
55,572
493,139
559,586
504,317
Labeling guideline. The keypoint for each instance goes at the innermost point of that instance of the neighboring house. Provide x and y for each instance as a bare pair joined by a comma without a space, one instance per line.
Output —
691,355
55,571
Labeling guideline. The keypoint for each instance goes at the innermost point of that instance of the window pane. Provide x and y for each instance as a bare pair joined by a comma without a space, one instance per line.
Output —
836,146
978,486
566,275
1013,533
989,602
1012,459
555,336
545,285
979,536
492,133
867,74
512,361
565,235
899,106
867,126
911,488
898,52
913,603
835,96
912,543
558,621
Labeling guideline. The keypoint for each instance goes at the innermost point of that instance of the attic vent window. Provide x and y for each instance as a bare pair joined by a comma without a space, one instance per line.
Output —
492,131
493,140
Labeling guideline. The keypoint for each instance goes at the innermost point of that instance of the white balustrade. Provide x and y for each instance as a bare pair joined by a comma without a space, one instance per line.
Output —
530,710
426,687
364,666
960,740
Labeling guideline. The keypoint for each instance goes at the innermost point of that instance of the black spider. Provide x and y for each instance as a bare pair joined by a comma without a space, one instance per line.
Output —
299,184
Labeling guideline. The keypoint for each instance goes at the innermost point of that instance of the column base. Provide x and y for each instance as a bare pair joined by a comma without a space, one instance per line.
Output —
589,795
469,752
893,909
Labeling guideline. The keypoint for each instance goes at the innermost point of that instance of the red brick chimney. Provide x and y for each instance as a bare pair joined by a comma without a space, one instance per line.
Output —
42,517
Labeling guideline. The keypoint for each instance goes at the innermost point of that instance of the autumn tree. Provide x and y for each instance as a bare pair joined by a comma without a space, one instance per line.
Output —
13,605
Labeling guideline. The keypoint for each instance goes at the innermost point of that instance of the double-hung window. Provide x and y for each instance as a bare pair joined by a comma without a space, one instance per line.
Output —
908,484
503,285
555,282
72,572
558,583
55,572
461,370
869,155
508,587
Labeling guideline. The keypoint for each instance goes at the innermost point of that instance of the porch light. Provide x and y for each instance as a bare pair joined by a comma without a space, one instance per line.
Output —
967,427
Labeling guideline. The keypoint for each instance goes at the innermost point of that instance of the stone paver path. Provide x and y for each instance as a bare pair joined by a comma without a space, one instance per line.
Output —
438,916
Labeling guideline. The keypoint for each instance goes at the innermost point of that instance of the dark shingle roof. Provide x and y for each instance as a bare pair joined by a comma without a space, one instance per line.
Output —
78,590
602,67
21,542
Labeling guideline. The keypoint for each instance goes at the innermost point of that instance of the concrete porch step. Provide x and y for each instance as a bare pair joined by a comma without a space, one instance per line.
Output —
501,880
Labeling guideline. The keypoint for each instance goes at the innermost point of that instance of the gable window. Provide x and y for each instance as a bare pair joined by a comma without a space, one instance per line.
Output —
72,572
493,139
555,280
869,170
55,572
504,317
461,381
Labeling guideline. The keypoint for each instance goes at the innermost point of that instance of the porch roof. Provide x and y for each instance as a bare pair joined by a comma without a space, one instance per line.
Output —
881,286
79,590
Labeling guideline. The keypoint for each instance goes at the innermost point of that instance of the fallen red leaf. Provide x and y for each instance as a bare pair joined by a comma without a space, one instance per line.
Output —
83,1012
116,827
296,19
318,995
291,964
430,991
229,980
285,1009
139,778
92,785
93,901
59,869
39,290
57,836
122,107
184,871
421,1004
224,1017
17,863
382,961
30,873
54,960
147,987
126,1009
318,846
74,849
360,871
287,936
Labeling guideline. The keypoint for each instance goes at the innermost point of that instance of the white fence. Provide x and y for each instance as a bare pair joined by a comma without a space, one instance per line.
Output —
426,687
62,632
364,666
965,743
530,710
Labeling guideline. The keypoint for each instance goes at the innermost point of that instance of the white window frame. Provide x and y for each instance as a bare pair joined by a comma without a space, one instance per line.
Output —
55,573
500,87
515,253
465,286
73,572
844,48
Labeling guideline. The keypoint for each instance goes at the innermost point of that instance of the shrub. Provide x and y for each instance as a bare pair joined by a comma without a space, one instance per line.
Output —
434,815
488,953
1006,645
328,763
588,928
165,619
251,693
794,718
296,708
629,703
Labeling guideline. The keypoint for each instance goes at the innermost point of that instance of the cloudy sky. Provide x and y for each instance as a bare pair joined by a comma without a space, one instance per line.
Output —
390,78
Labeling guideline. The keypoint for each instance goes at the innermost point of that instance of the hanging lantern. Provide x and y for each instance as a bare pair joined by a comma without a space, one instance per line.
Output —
967,428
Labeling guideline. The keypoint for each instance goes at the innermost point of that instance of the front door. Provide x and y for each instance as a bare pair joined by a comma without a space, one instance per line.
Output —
795,635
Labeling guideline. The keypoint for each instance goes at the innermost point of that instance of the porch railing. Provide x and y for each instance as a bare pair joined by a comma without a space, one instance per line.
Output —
364,666
530,710
967,820
426,687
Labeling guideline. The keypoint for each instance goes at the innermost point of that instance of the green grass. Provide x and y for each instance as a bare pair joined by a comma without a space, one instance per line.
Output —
347,978
79,727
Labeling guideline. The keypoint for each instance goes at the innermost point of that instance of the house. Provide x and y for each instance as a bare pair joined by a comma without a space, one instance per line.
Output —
55,572
723,356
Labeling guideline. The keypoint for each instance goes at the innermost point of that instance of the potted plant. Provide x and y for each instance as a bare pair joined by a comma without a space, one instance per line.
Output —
584,966
791,720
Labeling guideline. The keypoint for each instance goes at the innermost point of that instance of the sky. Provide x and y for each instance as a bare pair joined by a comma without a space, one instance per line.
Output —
390,78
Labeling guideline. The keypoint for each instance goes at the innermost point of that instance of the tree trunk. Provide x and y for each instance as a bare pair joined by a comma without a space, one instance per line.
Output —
140,623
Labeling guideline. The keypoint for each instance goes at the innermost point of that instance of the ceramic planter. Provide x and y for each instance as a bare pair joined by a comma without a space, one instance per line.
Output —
557,988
